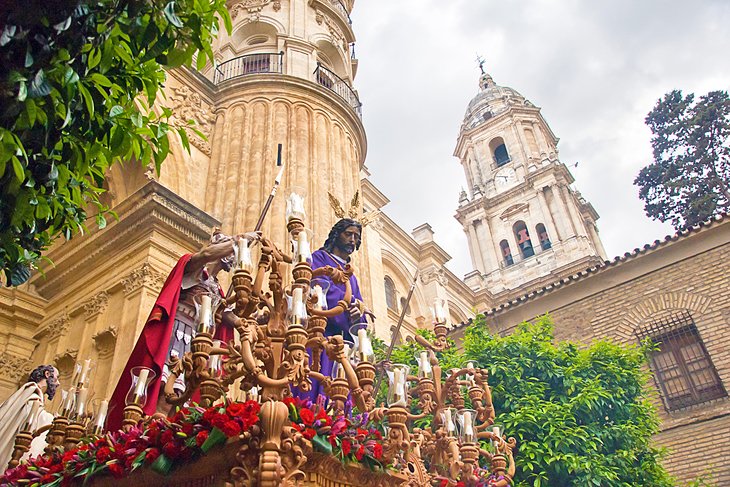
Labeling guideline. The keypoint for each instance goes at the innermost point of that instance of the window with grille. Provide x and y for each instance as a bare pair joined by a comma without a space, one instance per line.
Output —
682,367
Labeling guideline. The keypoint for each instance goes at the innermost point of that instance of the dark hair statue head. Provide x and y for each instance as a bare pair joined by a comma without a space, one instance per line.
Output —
46,372
337,229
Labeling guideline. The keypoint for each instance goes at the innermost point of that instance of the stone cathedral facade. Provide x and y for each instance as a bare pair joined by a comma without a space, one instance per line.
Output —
286,75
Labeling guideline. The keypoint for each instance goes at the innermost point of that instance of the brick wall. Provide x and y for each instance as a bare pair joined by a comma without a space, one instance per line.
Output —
690,273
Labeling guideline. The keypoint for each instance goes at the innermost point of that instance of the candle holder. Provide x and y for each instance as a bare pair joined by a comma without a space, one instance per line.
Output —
22,445
54,438
295,204
398,385
136,398
74,432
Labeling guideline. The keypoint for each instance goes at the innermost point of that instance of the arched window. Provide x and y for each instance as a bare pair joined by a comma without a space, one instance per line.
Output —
542,235
523,239
390,298
506,252
403,303
499,151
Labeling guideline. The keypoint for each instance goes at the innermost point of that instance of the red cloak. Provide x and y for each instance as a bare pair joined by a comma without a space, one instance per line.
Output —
152,346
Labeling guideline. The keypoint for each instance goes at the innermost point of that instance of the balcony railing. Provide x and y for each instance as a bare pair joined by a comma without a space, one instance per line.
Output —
330,80
269,62
341,9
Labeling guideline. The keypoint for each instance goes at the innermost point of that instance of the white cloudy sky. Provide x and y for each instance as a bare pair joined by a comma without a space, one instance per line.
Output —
595,69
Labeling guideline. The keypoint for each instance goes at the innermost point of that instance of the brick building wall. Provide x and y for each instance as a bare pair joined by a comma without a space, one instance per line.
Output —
686,273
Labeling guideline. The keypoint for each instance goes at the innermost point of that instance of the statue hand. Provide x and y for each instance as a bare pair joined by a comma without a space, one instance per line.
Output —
355,313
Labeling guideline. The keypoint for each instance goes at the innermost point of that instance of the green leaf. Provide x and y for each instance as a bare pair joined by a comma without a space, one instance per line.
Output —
88,99
184,138
100,79
39,86
171,16
22,91
94,58
28,59
115,111
18,169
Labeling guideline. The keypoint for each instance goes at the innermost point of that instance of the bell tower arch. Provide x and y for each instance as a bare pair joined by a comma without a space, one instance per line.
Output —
523,220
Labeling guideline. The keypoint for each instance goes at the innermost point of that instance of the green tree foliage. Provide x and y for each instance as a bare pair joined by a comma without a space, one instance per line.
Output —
580,415
689,179
77,89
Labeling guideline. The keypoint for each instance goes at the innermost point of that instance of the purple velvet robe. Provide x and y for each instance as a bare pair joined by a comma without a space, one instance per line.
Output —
340,324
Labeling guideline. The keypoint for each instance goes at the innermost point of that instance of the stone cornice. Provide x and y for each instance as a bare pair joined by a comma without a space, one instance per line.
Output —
152,210
333,20
372,194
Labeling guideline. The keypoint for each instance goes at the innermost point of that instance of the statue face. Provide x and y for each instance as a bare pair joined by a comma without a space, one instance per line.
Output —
348,240
52,383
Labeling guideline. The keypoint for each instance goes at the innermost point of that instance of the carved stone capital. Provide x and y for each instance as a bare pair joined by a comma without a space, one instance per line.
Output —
14,368
96,304
435,274
105,341
58,326
143,276
65,362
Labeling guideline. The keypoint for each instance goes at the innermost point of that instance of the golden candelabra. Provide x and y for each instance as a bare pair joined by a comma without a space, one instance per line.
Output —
273,354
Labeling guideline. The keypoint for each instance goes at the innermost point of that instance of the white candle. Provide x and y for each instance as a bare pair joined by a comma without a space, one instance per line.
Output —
449,421
101,415
142,381
362,337
439,311
295,207
243,254
468,429
81,402
76,374
85,371
424,365
303,253
398,398
319,304
495,431
70,396
297,305
205,313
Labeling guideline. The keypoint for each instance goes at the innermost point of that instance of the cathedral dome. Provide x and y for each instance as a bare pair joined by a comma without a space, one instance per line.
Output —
491,100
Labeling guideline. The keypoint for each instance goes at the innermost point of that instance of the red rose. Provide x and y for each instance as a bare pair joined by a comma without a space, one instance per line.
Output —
235,409
378,435
219,420
346,447
309,433
171,450
307,416
167,436
360,452
152,455
378,451
231,428
116,470
68,456
201,437
444,483
103,454
187,428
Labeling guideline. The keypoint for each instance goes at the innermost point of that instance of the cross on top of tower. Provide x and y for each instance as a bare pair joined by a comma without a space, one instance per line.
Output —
480,62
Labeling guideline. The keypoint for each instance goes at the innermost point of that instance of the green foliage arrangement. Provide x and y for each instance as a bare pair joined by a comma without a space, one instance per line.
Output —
78,93
580,415
689,180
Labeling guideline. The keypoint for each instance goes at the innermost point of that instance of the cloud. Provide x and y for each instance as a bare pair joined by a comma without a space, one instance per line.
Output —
596,69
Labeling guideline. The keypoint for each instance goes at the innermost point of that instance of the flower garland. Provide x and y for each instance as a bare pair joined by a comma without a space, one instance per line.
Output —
162,444
349,438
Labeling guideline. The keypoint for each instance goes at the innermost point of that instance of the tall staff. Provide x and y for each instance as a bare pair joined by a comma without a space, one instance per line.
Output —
396,331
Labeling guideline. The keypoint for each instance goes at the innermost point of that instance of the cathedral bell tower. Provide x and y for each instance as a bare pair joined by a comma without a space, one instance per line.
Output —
524,223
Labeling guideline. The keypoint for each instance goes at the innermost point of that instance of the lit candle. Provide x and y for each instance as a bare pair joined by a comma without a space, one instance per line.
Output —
142,382
424,365
297,306
76,374
319,304
303,252
449,421
243,254
362,337
295,207
468,428
205,314
101,415
439,311
85,371
81,402
68,405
